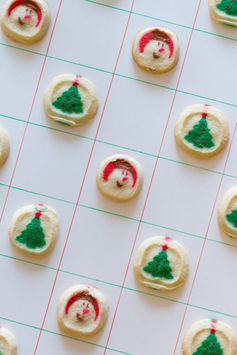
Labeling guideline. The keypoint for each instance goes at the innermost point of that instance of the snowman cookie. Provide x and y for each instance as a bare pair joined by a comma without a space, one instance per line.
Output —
212,335
34,228
4,146
82,310
161,263
156,49
119,177
202,130
71,99
7,342
227,212
224,11
25,21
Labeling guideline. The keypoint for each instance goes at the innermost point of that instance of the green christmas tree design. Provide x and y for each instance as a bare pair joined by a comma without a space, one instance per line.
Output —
232,218
210,346
228,6
33,235
200,135
70,101
159,266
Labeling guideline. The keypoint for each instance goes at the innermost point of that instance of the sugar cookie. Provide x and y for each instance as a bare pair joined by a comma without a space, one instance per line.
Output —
119,177
224,11
7,342
202,130
4,146
227,212
161,263
156,49
34,229
82,310
210,336
25,21
70,99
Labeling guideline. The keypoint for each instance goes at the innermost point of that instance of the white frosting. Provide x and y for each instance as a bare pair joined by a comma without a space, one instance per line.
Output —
7,342
4,146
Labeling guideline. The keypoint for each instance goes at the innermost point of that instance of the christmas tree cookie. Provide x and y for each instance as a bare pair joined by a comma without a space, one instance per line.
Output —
210,337
70,99
202,130
7,342
119,177
156,49
227,212
25,21
82,310
161,263
224,11
34,228
4,146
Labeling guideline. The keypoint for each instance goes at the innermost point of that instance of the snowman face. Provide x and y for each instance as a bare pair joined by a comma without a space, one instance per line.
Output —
158,51
25,16
121,178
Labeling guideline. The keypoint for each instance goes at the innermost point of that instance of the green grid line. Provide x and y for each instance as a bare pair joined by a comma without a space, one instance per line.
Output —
62,335
146,293
188,234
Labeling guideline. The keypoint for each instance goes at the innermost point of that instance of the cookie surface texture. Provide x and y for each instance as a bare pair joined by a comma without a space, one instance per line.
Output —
161,263
70,99
202,130
7,342
209,336
4,146
119,177
224,11
25,21
227,212
156,49
34,228
82,310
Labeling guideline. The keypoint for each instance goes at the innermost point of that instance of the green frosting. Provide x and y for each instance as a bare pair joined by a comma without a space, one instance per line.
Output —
159,266
70,101
200,135
210,346
232,218
33,236
228,6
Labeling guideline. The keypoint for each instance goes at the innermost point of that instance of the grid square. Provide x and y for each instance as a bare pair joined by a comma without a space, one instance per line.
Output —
220,261
55,67
123,4
139,311
87,49
65,281
88,242
205,72
44,156
64,210
172,151
193,247
124,116
92,197
128,68
168,10
17,277
176,190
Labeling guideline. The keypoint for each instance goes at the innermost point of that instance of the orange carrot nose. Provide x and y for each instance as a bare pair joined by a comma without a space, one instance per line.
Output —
85,311
161,50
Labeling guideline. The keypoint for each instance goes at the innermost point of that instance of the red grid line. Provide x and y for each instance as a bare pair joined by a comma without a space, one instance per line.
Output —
83,181
204,243
152,178
30,112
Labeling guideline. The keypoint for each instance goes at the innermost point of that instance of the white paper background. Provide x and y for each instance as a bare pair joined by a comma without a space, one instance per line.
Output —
54,164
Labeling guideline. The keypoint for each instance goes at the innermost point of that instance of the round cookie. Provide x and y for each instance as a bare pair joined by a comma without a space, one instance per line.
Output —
34,228
212,335
7,342
25,21
227,212
4,146
224,11
82,310
202,130
119,177
161,263
70,99
156,49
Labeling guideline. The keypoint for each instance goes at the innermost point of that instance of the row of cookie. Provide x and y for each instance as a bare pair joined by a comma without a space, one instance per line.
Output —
83,310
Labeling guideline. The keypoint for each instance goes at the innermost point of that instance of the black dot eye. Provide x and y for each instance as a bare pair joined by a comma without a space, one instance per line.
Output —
87,305
83,303
158,43
27,9
163,45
